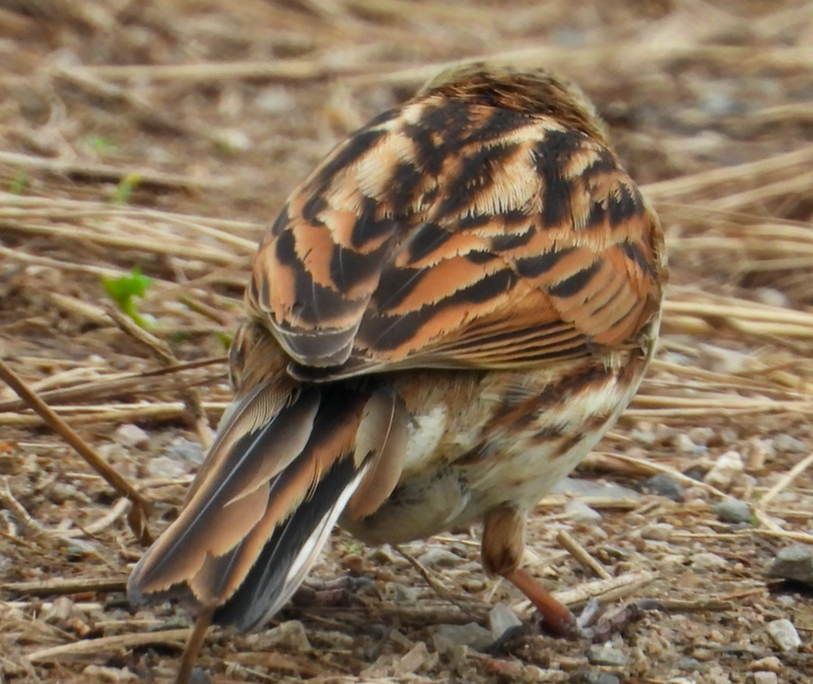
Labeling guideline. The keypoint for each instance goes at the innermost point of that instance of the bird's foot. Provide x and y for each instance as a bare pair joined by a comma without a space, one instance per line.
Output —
595,624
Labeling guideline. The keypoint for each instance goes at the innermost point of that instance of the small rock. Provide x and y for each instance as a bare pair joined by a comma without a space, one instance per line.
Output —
708,561
231,140
290,635
663,484
412,661
769,664
200,676
765,678
789,445
186,450
471,635
593,677
684,444
757,453
501,619
577,487
732,511
605,654
688,664
130,435
725,469
404,593
275,100
440,558
701,435
793,563
784,634
582,513
657,531
161,466
97,673
721,360
771,297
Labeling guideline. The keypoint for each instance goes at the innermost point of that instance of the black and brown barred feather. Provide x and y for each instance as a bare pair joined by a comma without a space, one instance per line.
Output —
443,232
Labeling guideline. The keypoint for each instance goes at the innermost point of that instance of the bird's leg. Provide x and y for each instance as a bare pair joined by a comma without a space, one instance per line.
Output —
190,652
502,547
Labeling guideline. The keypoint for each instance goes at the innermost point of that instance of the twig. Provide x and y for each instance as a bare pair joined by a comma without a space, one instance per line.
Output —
580,554
608,590
123,642
139,513
108,174
63,587
783,483
432,581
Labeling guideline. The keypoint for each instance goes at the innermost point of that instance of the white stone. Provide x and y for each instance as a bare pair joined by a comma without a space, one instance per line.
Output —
784,634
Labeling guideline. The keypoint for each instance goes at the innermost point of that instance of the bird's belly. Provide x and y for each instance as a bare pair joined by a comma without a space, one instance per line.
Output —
508,440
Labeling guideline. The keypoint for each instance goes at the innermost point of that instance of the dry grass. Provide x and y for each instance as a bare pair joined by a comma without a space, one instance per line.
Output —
166,136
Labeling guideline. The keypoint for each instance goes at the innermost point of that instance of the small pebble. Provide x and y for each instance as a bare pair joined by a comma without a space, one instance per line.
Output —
290,635
413,660
684,444
657,531
708,561
757,453
97,673
580,512
663,484
404,593
471,635
440,558
725,469
577,487
721,360
769,664
701,435
771,297
593,677
130,435
789,444
186,450
732,511
162,466
604,654
765,678
275,99
501,619
231,140
793,562
688,664
784,634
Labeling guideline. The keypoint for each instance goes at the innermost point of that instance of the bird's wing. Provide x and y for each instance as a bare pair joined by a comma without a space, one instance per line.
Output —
458,235
287,461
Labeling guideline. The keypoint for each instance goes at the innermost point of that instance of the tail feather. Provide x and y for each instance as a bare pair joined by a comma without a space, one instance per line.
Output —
274,483
289,553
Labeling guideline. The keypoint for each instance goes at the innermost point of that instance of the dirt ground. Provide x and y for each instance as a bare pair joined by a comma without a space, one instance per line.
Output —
166,135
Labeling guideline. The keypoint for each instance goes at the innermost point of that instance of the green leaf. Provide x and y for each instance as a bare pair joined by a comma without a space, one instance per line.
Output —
224,338
125,291
19,183
124,190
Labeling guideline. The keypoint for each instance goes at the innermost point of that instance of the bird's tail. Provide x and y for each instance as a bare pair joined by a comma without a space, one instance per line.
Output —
283,468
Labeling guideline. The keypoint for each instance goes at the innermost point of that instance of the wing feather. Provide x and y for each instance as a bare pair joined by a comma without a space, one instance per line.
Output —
459,258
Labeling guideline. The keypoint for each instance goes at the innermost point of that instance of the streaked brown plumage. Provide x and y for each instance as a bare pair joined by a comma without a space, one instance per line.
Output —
447,315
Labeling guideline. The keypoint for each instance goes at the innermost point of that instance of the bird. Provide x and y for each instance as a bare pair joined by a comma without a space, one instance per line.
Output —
444,319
